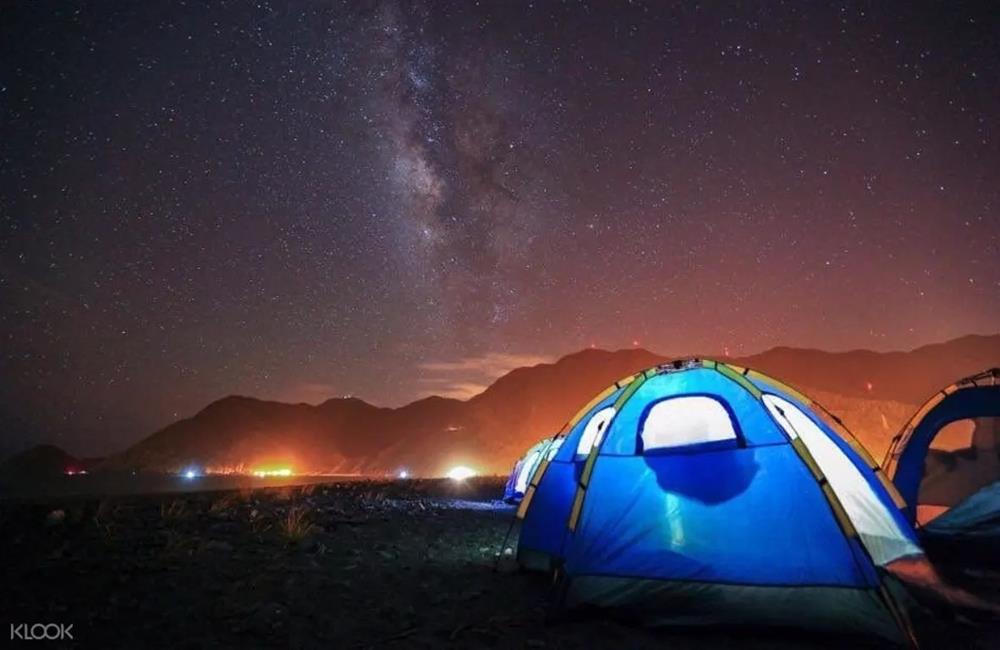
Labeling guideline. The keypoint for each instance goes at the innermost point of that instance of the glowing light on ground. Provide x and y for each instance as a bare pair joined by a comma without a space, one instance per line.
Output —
403,474
460,473
263,473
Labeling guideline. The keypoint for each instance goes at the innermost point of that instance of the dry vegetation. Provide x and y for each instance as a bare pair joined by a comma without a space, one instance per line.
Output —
296,524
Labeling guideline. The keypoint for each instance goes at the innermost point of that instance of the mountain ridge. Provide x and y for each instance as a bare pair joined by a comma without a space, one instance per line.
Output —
490,429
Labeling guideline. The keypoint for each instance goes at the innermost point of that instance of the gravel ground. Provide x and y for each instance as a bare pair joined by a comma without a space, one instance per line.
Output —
407,564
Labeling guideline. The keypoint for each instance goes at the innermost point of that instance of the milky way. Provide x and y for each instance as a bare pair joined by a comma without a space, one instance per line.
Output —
305,200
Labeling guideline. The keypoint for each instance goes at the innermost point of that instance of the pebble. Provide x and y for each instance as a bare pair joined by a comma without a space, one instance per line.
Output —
55,517
216,545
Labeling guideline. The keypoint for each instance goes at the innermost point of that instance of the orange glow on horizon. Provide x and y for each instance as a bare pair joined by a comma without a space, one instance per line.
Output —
259,470
277,471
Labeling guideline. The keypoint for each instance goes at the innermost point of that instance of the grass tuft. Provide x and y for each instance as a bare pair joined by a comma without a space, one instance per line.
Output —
174,511
104,518
297,524
224,504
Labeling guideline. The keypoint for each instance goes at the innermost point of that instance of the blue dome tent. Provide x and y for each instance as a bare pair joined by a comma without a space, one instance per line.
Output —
525,467
698,492
946,464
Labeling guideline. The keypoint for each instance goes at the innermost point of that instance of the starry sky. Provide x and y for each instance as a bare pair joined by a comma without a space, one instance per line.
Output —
299,200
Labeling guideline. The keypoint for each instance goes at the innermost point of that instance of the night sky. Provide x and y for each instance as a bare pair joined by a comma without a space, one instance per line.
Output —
311,199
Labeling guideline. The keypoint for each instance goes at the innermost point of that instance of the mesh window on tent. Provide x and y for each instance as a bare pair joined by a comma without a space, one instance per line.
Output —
684,421
594,431
876,527
527,469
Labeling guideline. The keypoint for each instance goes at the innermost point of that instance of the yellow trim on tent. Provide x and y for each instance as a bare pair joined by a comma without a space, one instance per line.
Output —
890,487
586,409
859,449
574,514
588,468
844,433
625,381
926,408
539,473
782,386
904,436
739,379
539,470
831,497
621,383
843,520
901,439
529,494
838,510
807,459
536,478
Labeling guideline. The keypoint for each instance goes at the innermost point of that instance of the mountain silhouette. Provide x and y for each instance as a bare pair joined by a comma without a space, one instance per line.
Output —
873,392
40,461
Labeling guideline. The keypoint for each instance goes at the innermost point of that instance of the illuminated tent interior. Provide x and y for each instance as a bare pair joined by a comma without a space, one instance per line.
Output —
946,464
517,482
702,493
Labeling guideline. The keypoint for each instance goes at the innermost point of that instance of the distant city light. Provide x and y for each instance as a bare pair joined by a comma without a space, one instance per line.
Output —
460,473
262,473
403,474
191,472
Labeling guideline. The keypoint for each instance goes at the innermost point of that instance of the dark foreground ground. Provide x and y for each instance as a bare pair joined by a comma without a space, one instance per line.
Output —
380,565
